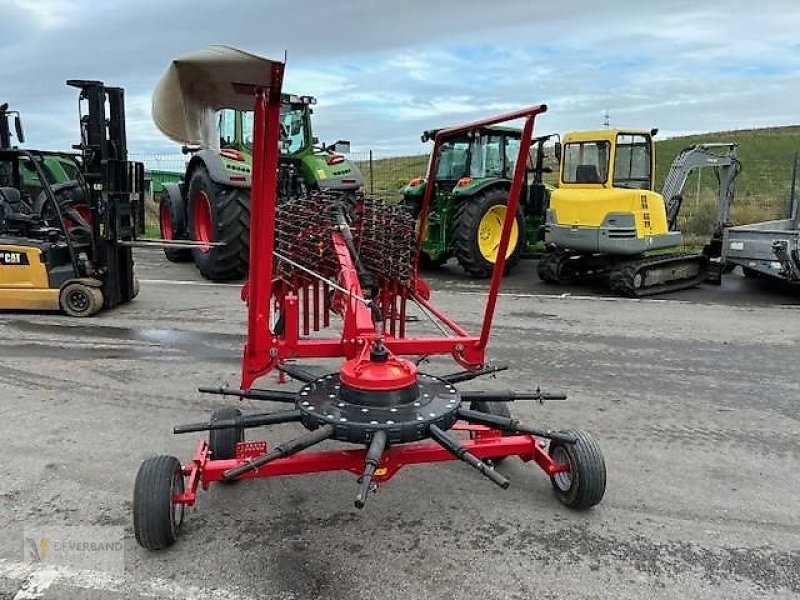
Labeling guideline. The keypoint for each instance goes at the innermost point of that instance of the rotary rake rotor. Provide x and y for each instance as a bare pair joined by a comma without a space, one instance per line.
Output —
355,258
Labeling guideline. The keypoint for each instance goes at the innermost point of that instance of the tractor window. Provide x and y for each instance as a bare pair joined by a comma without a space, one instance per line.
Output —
586,162
487,157
452,161
632,162
247,128
293,131
227,128
512,152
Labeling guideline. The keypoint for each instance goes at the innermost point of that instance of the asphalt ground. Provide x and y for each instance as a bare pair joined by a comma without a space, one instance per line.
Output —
693,398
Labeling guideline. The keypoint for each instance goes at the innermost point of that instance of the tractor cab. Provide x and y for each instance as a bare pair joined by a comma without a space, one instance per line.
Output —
471,186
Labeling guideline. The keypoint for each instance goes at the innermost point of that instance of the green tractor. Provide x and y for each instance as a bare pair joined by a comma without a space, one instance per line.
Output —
211,207
473,180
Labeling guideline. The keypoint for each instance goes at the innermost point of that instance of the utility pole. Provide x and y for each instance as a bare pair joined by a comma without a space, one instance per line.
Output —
606,120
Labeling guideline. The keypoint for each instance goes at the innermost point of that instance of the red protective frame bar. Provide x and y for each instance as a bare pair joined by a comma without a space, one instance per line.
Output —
263,350
486,443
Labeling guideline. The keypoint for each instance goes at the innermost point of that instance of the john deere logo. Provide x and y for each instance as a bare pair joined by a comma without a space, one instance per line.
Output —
37,549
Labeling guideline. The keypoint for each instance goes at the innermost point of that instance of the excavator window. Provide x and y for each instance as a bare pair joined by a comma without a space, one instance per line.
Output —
632,162
586,162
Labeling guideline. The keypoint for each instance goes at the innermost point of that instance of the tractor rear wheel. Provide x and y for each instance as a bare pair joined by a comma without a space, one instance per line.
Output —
157,518
584,484
477,229
170,220
219,213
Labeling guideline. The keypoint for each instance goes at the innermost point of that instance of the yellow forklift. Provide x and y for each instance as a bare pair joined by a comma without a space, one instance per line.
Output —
68,221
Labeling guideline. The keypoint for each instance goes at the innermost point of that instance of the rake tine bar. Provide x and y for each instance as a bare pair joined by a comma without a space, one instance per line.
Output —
451,445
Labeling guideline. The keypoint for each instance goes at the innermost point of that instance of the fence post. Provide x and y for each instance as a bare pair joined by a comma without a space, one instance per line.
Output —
371,174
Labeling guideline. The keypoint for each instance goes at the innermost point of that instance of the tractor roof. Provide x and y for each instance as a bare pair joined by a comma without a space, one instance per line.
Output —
509,131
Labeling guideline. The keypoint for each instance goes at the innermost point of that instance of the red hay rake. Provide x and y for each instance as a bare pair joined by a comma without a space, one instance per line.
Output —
357,258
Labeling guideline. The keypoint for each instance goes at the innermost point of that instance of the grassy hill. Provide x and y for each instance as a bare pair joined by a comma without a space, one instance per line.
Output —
762,188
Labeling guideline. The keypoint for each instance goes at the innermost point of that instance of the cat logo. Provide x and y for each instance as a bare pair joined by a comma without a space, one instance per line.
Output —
13,258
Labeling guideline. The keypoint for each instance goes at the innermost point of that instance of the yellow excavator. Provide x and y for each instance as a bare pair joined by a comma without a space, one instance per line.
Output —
605,219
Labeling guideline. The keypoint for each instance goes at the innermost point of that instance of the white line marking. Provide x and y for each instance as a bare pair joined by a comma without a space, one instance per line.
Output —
36,579
196,283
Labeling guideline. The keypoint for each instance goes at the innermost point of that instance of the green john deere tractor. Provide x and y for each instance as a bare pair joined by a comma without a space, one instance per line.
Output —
468,207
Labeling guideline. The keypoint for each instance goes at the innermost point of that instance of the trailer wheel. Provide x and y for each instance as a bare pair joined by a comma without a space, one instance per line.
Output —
499,409
156,517
222,442
219,213
477,229
584,484
170,220
80,300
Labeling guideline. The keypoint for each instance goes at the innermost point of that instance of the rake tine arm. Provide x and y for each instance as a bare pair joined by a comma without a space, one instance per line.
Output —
507,396
462,376
451,445
511,425
252,394
297,373
282,450
373,459
244,422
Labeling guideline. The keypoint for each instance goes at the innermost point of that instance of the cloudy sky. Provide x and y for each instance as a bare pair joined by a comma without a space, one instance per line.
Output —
385,70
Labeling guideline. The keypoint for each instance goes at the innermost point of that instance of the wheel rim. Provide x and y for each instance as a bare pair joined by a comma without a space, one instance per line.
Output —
490,231
562,480
203,223
637,281
165,217
175,489
78,301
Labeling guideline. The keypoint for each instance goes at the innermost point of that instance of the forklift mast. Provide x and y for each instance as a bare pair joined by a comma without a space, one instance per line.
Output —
116,188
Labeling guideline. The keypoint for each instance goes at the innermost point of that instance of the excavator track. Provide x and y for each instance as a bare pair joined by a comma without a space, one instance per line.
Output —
563,266
658,274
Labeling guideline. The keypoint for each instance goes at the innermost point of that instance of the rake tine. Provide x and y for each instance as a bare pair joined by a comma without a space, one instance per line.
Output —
451,445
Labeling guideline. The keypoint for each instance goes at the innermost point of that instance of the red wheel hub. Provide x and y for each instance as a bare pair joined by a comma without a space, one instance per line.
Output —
373,372
203,221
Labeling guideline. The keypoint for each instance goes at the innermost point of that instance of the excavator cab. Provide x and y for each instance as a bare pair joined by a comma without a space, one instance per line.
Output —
605,200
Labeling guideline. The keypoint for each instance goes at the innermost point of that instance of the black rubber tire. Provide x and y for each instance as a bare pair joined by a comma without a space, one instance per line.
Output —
585,484
499,409
466,222
222,442
156,520
77,299
178,232
230,207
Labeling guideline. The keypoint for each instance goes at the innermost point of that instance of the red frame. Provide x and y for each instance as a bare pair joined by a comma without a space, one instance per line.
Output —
263,351
307,306
485,443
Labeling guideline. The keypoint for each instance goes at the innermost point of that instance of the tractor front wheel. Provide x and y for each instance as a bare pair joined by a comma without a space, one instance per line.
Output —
170,220
219,214
477,229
